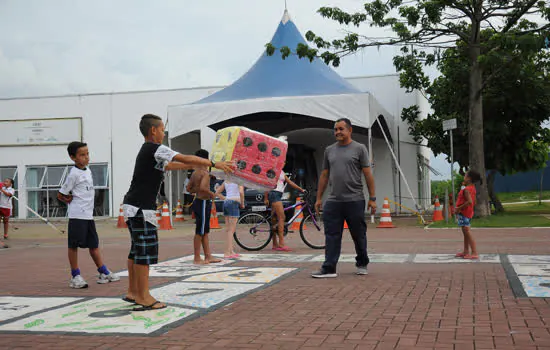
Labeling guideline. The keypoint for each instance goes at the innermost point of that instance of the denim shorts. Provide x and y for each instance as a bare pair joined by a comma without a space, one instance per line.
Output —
463,221
275,196
231,208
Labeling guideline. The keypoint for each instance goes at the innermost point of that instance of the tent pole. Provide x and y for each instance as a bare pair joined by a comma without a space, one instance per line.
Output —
399,167
371,158
169,178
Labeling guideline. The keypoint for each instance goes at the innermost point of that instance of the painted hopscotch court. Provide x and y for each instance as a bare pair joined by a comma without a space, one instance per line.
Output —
197,290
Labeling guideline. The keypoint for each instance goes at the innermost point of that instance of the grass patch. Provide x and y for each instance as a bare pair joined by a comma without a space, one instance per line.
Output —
528,208
518,215
522,196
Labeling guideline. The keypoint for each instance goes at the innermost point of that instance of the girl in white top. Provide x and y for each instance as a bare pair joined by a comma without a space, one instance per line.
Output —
6,194
274,198
232,201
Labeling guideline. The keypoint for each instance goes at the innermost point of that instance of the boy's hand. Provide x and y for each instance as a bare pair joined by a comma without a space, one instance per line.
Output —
227,167
65,198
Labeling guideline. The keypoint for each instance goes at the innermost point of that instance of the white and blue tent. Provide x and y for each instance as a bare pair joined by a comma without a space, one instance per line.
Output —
277,96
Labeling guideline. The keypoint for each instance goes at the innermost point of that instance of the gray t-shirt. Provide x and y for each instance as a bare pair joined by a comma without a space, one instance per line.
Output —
345,165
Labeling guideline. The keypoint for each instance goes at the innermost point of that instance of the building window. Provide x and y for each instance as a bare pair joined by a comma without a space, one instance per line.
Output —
43,183
11,172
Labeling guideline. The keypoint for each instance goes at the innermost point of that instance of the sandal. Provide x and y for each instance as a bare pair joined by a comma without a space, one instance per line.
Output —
471,257
150,307
285,249
460,255
129,300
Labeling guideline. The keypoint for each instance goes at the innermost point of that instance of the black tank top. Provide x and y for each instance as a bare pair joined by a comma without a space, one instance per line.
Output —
148,175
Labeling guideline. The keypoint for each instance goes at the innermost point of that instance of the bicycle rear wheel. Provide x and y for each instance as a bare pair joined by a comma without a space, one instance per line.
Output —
312,231
253,232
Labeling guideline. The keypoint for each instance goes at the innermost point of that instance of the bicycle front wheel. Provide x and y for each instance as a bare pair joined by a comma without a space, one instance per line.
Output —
253,232
312,231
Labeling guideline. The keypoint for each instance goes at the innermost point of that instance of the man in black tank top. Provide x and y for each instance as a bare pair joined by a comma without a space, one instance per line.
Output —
152,161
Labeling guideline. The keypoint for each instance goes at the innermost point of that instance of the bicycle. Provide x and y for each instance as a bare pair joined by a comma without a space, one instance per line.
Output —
254,230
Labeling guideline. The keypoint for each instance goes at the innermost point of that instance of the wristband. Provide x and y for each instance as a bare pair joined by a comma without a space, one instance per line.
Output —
372,199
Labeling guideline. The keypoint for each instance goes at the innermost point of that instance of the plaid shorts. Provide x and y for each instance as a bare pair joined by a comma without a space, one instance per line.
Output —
144,248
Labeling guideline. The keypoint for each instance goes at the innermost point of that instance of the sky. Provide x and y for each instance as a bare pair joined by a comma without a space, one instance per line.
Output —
59,47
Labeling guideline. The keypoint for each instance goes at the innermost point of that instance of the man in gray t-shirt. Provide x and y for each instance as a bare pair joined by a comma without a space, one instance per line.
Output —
344,165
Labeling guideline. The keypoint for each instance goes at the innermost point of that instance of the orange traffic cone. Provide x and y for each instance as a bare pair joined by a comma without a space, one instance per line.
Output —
438,212
346,225
165,218
214,223
385,219
296,224
121,223
179,212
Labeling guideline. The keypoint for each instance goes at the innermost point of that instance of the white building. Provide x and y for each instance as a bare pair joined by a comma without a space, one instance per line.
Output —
34,133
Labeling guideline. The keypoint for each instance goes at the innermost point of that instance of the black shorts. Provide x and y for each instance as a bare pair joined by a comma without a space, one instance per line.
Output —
82,234
202,209
145,242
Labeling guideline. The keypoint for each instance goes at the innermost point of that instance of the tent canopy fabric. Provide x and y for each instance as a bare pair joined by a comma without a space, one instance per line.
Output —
292,86
275,77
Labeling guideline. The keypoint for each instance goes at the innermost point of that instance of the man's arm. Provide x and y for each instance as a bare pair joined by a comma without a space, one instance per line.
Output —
370,181
323,182
372,190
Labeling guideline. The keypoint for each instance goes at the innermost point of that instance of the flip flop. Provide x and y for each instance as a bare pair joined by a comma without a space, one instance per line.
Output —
150,307
129,300
285,249
471,257
460,255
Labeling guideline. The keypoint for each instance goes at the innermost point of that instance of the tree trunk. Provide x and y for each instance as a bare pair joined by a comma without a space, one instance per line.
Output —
476,153
491,189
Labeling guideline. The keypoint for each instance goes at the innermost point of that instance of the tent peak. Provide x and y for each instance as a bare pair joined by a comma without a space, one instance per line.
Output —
286,16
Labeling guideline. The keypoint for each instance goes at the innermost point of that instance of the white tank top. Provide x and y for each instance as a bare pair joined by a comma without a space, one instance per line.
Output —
281,184
232,192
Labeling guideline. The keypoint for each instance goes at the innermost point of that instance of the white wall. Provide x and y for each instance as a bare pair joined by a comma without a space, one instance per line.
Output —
94,111
110,127
393,98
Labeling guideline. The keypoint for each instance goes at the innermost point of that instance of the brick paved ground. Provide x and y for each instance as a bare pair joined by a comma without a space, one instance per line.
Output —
397,306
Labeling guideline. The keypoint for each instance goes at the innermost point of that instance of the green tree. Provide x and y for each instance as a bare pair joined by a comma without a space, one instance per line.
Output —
516,102
431,25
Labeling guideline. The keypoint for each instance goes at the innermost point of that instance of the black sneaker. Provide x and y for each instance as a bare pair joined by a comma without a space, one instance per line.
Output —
324,274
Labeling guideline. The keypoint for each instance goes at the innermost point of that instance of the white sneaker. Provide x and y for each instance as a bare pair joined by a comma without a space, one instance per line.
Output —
78,282
103,278
362,271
